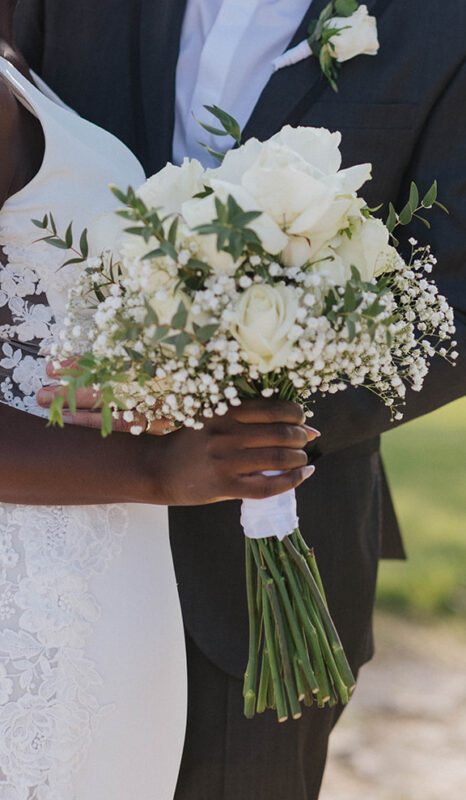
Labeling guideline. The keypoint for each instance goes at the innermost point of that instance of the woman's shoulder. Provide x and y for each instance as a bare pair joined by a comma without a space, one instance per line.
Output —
9,129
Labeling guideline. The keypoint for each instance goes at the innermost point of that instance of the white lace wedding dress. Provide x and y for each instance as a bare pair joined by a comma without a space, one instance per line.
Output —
92,661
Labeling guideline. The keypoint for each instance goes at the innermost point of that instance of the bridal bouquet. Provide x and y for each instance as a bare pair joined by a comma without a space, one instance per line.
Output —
267,276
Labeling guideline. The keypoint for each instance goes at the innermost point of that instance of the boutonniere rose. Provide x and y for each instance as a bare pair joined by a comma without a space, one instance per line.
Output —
344,30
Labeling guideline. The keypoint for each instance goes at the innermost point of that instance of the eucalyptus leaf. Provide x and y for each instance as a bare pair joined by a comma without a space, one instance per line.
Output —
40,223
405,216
151,317
392,218
70,261
424,221
205,333
413,197
121,196
206,193
441,206
69,236
181,317
58,243
214,153
229,123
431,196
160,334
350,324
83,244
210,129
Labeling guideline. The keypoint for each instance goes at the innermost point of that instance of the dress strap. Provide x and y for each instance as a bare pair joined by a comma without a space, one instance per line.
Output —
29,95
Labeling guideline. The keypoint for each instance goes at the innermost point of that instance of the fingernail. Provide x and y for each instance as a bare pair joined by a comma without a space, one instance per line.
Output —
308,471
44,396
313,433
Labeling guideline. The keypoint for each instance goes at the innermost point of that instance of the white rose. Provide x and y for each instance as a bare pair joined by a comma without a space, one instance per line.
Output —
202,211
358,35
318,147
172,186
105,233
264,316
162,296
295,179
341,215
283,185
366,250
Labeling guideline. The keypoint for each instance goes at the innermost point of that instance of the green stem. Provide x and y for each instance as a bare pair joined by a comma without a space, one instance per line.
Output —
281,633
280,701
298,676
325,649
335,643
298,640
263,682
310,557
271,702
250,676
323,688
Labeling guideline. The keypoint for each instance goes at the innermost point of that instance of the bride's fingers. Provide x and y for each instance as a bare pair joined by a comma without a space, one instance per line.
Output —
66,364
159,427
86,398
93,419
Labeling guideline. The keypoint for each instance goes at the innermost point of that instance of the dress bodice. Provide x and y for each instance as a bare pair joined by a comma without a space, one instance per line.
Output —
80,162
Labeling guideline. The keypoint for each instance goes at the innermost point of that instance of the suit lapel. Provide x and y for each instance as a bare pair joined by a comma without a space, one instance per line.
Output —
161,22
292,90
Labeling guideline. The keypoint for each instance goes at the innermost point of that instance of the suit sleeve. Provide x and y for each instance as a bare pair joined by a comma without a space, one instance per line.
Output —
29,31
354,415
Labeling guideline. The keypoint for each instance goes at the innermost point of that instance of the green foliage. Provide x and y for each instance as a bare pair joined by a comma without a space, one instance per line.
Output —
180,318
47,223
231,228
204,332
351,311
412,208
230,127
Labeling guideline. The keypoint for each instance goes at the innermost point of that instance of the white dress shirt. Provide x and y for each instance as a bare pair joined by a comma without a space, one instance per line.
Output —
226,53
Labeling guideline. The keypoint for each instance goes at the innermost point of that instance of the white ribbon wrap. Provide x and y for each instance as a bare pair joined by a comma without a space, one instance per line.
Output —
273,516
293,56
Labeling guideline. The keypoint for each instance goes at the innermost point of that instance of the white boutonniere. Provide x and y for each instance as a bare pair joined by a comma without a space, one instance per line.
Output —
344,30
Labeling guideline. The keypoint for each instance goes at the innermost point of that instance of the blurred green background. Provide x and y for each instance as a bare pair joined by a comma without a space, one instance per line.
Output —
426,465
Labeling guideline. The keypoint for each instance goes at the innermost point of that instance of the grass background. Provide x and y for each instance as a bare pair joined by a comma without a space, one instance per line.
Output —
426,465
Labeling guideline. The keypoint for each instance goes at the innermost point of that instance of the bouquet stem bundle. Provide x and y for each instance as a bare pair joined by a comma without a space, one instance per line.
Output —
295,653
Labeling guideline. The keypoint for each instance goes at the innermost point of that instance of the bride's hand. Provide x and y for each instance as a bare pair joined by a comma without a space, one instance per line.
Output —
88,414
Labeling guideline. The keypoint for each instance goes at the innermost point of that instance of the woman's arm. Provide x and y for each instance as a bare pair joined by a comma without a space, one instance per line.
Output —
74,466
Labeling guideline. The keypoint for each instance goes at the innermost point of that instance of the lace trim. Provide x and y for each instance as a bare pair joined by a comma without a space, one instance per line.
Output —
29,285
48,707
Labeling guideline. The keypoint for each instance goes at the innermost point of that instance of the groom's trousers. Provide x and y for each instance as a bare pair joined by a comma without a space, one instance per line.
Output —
228,757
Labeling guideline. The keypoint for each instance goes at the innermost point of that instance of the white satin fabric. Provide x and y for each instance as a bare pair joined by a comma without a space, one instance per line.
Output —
272,516
92,656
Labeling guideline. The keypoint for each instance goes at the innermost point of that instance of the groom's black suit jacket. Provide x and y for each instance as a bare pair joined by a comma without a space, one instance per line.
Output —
405,111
